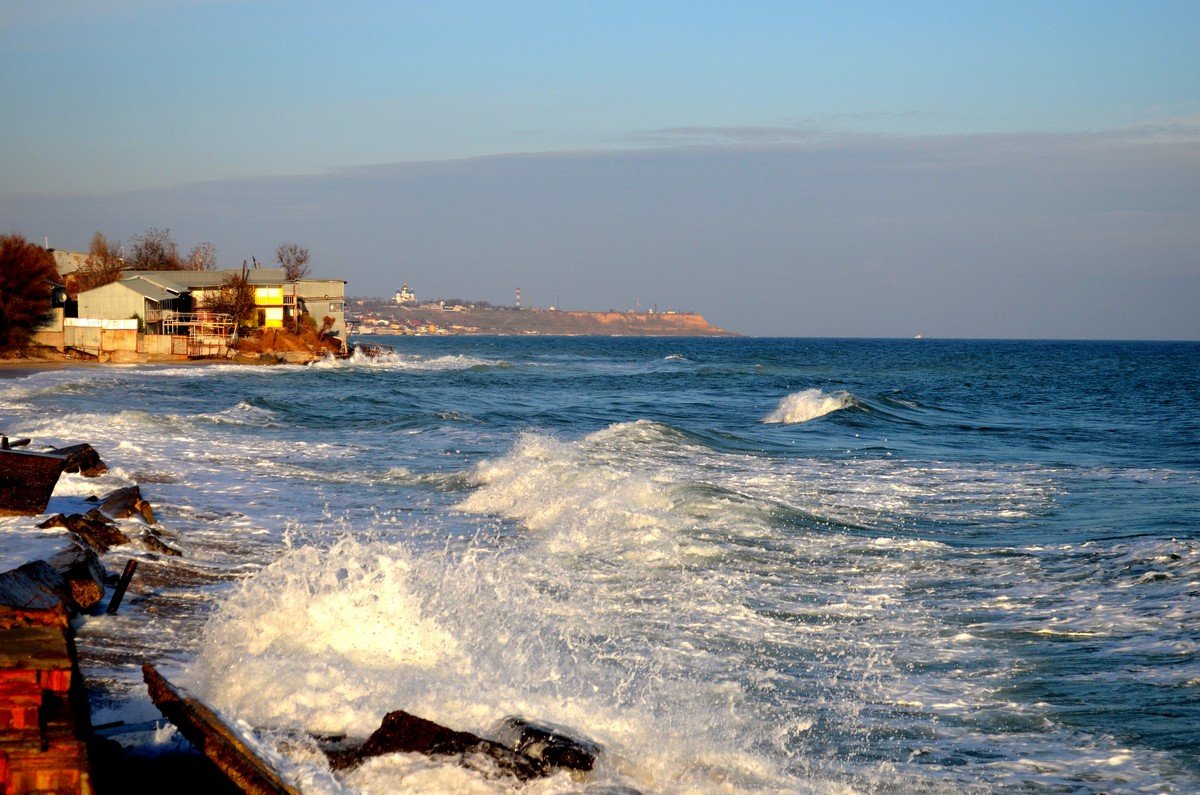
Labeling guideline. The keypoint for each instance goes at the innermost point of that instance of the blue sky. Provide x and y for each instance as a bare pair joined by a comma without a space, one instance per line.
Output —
156,106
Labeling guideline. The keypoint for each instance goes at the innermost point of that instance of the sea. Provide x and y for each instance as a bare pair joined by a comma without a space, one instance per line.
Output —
738,565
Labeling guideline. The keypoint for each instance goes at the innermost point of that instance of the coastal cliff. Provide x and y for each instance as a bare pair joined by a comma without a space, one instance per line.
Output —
476,320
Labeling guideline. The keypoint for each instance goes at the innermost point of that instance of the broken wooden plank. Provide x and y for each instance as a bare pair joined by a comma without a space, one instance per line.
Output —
213,737
114,604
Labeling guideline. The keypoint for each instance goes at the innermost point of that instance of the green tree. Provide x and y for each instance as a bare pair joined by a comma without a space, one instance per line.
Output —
26,274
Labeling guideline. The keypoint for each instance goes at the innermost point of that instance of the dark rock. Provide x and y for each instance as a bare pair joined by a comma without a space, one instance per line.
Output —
33,595
554,745
93,528
57,520
83,574
401,732
82,458
153,542
127,502
96,531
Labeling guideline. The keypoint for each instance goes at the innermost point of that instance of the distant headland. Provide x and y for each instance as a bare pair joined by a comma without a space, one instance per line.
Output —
456,317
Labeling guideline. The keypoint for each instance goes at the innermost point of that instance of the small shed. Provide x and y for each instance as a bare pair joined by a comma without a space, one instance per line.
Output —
134,297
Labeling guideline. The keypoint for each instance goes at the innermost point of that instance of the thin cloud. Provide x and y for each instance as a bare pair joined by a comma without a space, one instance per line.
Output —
1034,234
730,136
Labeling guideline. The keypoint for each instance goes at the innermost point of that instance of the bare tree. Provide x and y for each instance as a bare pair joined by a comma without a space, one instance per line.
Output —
26,273
202,257
235,297
155,250
293,259
102,266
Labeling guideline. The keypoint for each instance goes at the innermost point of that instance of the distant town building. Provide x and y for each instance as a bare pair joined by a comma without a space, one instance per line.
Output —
405,296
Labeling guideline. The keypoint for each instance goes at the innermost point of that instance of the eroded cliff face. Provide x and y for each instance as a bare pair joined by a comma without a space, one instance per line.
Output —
677,324
544,321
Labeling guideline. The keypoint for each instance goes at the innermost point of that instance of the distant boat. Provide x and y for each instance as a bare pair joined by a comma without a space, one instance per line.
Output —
27,479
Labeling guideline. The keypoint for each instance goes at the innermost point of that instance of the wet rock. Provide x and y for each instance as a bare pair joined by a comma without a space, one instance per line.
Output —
556,746
96,531
33,595
82,573
127,502
82,458
401,732
153,542
93,528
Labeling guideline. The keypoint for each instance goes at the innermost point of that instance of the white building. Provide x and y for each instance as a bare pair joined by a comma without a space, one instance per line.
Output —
405,296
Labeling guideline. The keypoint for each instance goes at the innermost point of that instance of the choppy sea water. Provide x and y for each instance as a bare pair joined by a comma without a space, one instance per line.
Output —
740,565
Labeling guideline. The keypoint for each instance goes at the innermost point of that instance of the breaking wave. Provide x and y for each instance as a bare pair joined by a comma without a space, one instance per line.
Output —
390,360
808,405
329,640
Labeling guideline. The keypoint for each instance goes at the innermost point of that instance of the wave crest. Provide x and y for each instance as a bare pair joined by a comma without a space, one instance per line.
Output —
407,362
808,405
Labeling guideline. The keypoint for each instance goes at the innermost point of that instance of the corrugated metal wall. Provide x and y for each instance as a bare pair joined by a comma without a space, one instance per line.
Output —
112,301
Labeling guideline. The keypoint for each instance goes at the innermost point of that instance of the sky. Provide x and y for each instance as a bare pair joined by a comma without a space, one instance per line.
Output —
1007,169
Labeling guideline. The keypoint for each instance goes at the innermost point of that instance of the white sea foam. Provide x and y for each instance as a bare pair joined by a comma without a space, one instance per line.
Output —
720,620
330,640
808,405
241,414
23,543
406,361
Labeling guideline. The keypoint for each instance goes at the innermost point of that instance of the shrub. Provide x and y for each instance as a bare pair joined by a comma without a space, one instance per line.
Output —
26,274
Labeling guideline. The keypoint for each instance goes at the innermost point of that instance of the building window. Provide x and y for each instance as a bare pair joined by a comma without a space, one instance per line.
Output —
336,306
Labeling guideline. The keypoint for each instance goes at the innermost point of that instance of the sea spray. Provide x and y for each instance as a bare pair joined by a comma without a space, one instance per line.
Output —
329,640
808,405
390,360
911,596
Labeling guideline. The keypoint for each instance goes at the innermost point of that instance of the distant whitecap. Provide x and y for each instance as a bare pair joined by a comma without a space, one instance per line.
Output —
808,405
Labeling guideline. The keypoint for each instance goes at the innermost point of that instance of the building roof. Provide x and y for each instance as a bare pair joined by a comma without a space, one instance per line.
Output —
186,280
67,262
154,292
143,287
160,279
205,280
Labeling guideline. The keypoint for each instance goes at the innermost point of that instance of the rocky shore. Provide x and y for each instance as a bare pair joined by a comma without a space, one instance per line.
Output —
46,739
48,743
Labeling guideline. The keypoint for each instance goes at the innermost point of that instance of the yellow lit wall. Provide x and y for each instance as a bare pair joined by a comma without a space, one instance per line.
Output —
268,296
